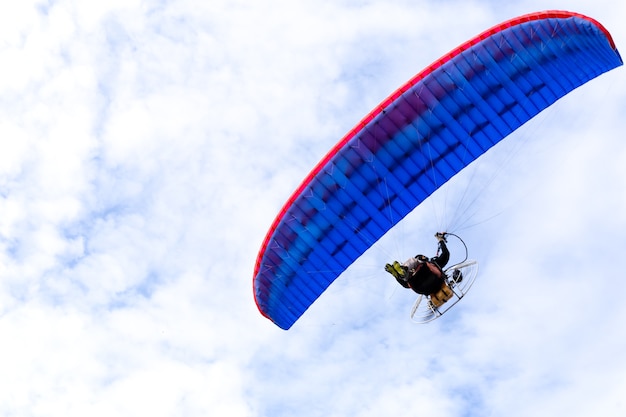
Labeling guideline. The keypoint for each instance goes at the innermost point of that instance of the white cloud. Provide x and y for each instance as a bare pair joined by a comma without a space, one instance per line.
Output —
146,148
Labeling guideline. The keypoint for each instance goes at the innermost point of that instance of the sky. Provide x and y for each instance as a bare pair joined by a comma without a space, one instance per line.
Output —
147,147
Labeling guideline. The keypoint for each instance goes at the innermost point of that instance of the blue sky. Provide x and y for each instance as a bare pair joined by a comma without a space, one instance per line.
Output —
147,147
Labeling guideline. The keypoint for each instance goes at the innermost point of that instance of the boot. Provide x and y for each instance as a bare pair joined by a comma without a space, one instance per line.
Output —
399,268
389,268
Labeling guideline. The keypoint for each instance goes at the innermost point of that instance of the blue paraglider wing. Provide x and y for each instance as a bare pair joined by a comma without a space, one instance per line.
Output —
427,131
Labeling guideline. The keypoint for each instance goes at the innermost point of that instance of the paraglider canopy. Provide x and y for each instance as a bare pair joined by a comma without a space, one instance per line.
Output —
427,131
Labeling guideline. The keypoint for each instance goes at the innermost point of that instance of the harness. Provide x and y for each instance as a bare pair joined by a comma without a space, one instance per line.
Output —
425,278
